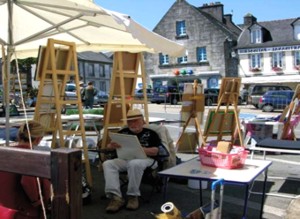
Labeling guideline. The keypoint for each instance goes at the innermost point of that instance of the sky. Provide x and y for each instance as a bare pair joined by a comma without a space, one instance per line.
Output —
149,13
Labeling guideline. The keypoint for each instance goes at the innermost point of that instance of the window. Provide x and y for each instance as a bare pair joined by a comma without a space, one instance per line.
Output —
180,28
163,59
97,70
91,71
297,30
297,58
256,36
201,54
107,71
182,59
277,60
101,71
255,62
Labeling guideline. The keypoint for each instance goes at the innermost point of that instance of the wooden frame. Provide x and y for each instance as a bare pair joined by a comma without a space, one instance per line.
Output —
228,120
62,167
224,124
229,90
127,68
192,111
61,56
58,63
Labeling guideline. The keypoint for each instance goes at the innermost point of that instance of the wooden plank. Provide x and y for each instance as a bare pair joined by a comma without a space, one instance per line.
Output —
66,180
34,163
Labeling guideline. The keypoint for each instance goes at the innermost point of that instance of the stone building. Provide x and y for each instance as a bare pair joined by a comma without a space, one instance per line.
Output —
96,67
269,52
209,37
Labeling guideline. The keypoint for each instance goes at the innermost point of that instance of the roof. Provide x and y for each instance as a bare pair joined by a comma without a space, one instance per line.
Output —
93,56
227,29
280,33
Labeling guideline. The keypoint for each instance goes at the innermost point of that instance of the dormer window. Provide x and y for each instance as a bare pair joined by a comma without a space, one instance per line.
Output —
256,36
163,59
180,28
297,30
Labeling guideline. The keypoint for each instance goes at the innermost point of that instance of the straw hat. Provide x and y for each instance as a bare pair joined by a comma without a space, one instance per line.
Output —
134,114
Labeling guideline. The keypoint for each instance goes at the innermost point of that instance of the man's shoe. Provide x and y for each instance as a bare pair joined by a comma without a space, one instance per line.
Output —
115,204
133,203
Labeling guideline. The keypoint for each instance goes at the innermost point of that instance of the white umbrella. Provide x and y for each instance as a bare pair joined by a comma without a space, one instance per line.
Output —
27,24
80,21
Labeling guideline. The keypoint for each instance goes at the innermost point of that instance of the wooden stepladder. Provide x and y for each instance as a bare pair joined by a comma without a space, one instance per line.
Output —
57,64
193,104
225,121
127,69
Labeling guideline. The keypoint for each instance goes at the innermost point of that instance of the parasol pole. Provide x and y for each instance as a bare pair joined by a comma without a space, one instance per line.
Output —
10,49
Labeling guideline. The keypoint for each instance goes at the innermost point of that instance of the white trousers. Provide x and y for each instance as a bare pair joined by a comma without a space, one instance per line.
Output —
135,169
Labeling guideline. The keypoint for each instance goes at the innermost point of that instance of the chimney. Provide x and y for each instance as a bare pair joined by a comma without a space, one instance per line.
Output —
214,9
228,18
249,19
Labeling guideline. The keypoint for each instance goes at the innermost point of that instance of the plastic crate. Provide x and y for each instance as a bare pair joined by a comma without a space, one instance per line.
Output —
236,160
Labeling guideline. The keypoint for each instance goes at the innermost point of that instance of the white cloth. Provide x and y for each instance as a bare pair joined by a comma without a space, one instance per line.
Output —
135,170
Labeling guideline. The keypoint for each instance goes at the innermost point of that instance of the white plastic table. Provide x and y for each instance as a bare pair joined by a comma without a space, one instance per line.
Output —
193,169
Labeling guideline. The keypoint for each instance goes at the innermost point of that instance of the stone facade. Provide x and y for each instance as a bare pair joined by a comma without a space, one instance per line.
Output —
206,27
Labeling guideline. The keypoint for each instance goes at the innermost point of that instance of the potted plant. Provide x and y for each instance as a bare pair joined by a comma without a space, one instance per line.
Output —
276,68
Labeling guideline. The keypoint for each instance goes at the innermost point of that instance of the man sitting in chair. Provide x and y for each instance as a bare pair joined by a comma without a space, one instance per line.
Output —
153,148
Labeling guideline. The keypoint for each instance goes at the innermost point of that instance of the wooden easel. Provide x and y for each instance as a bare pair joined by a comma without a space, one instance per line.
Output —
127,68
58,63
228,96
197,105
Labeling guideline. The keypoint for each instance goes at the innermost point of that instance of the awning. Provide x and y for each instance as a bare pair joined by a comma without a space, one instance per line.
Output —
271,79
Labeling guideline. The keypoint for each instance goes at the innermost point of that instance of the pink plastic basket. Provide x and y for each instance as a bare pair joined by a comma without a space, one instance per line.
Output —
222,160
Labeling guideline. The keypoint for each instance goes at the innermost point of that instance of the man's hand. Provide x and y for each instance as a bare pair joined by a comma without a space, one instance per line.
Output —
113,145
151,151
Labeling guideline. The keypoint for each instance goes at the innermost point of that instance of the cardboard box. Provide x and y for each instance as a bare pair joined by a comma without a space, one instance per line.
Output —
224,146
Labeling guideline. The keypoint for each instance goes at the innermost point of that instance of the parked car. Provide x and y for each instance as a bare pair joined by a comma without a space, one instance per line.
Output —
273,100
167,94
139,93
211,96
70,87
258,90
101,98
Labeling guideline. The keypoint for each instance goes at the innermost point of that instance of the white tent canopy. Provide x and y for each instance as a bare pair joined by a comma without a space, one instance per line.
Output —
27,24
83,22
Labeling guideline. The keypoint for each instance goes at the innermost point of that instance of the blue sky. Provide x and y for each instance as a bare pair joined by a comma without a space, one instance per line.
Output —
149,13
